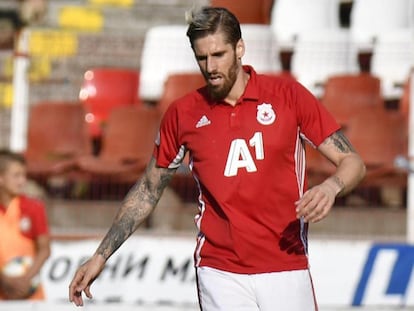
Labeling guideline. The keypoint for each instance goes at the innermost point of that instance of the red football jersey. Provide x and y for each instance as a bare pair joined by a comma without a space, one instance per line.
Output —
249,163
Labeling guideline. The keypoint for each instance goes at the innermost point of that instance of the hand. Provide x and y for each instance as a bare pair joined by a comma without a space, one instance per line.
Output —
84,277
316,203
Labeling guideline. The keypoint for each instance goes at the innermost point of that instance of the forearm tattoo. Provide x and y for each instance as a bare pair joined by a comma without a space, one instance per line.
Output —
341,143
339,183
136,207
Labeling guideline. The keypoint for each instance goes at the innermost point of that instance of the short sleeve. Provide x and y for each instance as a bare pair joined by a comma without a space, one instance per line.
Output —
40,221
315,122
169,151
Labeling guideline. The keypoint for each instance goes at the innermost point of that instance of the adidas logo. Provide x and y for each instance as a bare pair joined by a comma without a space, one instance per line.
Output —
203,121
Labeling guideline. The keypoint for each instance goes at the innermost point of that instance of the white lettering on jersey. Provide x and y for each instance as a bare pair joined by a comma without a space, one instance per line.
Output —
240,157
257,142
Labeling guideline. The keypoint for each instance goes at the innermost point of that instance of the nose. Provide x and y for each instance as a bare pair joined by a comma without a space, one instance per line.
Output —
211,65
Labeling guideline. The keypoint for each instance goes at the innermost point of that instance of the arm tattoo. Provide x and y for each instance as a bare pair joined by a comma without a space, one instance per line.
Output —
340,142
136,207
339,183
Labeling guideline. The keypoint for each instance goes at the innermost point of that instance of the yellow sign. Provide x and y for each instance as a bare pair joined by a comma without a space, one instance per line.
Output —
81,18
39,69
6,94
8,67
53,43
123,3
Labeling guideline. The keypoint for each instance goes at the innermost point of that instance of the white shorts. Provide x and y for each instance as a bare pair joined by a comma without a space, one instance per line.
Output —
276,291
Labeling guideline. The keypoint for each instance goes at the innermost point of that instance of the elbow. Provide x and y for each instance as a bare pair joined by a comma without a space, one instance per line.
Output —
362,170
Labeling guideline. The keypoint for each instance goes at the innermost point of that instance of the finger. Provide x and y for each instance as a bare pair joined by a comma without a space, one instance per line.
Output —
77,299
305,206
319,212
88,292
304,200
75,288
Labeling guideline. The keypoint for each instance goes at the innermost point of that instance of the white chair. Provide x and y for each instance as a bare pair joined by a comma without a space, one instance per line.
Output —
369,18
289,18
392,60
261,48
166,50
318,55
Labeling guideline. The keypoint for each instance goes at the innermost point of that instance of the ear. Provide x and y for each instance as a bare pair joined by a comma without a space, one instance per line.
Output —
240,48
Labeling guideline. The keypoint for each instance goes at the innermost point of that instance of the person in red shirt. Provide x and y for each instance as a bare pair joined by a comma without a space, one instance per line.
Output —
24,231
245,135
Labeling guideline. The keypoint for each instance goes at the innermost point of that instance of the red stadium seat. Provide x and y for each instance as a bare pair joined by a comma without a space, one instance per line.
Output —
177,85
127,144
57,135
102,90
344,95
379,136
247,11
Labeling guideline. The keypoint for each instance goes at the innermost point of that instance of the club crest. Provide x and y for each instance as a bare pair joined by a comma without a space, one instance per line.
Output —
265,114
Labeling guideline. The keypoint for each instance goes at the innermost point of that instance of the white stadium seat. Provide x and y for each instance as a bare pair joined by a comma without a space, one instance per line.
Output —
318,55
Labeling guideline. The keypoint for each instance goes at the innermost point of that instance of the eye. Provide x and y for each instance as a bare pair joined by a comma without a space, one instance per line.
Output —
201,58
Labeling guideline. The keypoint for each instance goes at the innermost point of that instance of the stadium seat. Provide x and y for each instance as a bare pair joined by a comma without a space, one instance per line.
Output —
261,48
379,136
127,145
344,95
318,55
57,135
247,11
102,90
392,59
178,85
369,18
166,50
290,18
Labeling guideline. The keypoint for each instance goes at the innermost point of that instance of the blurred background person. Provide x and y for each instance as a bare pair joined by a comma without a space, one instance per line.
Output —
24,233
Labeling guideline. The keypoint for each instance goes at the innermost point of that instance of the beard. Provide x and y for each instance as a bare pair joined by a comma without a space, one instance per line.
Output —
220,92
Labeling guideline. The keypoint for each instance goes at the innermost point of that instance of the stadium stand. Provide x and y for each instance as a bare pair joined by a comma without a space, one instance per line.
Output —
370,18
165,50
392,59
290,18
247,12
102,90
106,88
57,135
261,48
344,95
319,55
380,136
177,85
127,143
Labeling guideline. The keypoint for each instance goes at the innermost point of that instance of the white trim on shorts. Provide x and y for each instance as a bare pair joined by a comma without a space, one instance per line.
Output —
275,291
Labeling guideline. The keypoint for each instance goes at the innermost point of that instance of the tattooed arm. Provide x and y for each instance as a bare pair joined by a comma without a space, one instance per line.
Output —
136,207
316,203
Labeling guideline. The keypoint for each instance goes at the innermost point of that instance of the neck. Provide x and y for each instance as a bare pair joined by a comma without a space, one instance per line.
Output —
5,198
238,88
